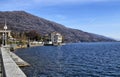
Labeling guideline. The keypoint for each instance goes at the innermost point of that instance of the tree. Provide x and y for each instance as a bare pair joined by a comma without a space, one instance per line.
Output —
33,35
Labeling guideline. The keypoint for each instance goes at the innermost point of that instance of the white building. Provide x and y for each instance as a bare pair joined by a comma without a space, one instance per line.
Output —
56,38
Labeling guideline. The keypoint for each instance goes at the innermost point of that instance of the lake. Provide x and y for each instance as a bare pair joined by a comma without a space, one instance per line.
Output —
73,60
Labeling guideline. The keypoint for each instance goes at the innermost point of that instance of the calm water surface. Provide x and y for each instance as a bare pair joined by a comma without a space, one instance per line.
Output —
73,60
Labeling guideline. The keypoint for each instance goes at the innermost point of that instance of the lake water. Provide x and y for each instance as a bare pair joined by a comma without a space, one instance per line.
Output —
73,60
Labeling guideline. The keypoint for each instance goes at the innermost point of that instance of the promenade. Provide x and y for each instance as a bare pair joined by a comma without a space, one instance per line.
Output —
0,65
8,65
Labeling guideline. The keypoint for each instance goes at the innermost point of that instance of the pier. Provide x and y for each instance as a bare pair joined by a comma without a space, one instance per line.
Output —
9,61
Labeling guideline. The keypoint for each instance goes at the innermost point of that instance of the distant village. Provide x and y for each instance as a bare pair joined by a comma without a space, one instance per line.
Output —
29,39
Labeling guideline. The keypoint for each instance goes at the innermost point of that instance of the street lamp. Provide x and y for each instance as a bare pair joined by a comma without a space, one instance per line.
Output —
3,40
5,36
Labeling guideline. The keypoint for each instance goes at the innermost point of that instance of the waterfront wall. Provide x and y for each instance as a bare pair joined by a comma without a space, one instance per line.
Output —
10,68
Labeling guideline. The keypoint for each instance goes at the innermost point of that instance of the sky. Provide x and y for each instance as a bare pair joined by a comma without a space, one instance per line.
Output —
95,16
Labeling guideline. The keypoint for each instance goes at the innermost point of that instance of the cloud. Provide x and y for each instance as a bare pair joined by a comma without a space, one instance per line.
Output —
29,4
56,2
14,5
68,1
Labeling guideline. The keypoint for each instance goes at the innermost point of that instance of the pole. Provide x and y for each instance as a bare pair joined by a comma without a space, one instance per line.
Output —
5,28
3,39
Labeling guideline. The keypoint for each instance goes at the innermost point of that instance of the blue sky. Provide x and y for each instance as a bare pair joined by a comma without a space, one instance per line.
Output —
95,16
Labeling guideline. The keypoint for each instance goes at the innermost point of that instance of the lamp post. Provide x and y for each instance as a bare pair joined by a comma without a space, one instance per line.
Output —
3,40
5,36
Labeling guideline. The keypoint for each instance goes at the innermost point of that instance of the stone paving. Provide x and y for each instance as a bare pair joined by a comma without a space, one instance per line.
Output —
10,67
0,65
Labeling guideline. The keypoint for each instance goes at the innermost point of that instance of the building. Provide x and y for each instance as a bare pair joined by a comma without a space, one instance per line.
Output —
56,38
5,34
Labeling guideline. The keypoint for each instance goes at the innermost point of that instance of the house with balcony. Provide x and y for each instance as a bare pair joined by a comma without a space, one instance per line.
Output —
56,38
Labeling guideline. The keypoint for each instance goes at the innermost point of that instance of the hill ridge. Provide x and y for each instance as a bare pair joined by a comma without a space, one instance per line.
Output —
23,21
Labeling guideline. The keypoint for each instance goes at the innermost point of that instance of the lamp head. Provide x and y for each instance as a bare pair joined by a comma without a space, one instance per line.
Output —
5,27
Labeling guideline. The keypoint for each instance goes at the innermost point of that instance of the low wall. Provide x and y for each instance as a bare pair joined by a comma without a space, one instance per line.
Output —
10,67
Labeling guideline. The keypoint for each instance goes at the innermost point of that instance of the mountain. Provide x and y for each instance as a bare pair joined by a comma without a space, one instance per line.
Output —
22,21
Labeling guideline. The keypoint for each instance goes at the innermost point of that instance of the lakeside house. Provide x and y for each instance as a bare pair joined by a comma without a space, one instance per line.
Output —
56,38
53,38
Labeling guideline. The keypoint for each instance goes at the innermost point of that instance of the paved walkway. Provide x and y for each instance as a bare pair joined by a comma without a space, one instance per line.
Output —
10,67
0,65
